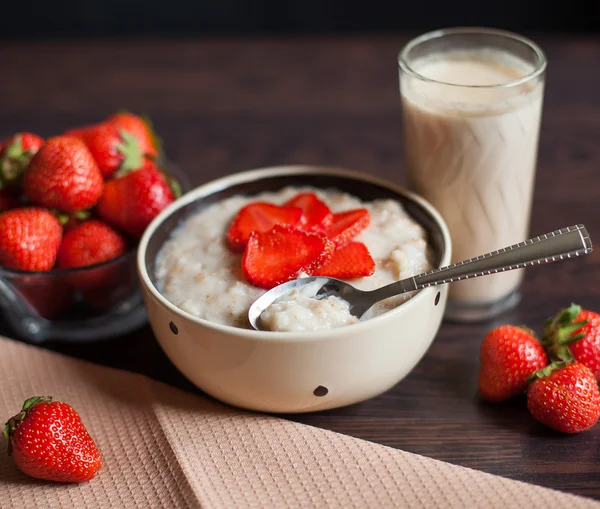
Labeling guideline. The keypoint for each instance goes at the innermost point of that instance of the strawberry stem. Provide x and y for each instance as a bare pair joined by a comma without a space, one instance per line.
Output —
132,156
13,423
547,370
560,332
156,140
14,161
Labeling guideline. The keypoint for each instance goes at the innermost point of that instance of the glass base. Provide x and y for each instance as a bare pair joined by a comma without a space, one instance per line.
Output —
461,312
128,315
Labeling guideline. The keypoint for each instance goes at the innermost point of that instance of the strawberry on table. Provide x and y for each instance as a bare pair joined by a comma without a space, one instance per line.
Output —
15,156
279,255
49,441
316,216
130,202
574,334
347,225
260,217
564,397
348,261
89,243
63,175
508,356
29,239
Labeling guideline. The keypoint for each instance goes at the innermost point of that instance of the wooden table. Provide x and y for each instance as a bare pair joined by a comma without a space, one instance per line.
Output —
233,104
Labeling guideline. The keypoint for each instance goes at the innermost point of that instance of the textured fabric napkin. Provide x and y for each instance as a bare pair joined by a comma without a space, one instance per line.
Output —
165,448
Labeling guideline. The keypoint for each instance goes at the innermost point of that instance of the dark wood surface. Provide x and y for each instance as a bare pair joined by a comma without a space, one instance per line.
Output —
228,105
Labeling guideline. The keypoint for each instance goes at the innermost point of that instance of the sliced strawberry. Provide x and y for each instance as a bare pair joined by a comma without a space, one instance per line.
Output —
348,261
347,225
260,217
279,255
316,216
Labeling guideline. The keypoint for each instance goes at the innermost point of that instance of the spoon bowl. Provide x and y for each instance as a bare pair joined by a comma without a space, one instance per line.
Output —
320,287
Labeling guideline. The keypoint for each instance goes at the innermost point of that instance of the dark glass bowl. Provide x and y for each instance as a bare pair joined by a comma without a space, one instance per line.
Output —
76,305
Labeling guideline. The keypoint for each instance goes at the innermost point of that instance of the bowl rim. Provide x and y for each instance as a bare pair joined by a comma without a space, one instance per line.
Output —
222,183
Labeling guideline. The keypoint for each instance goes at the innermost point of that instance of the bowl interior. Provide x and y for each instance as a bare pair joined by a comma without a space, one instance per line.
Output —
363,189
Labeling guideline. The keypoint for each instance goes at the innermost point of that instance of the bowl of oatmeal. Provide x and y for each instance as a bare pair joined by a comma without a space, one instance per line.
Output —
206,258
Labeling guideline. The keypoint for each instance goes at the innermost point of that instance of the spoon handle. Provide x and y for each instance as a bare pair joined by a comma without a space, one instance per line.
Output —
551,247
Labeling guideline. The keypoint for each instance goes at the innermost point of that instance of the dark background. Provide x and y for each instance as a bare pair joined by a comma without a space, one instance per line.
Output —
99,18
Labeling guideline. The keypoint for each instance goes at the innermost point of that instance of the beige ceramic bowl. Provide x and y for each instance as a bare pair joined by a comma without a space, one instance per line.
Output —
295,371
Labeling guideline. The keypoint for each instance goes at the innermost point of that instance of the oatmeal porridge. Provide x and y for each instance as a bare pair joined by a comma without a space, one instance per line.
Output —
198,271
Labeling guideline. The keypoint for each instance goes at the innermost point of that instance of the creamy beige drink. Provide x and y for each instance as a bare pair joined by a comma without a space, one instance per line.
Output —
471,124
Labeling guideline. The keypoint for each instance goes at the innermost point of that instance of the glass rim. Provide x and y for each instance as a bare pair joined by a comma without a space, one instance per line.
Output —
404,65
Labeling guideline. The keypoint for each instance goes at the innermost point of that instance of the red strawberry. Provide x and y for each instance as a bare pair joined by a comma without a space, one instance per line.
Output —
8,200
574,334
564,397
347,225
140,129
279,255
16,155
348,261
49,441
29,239
63,175
508,356
259,217
131,202
89,243
315,214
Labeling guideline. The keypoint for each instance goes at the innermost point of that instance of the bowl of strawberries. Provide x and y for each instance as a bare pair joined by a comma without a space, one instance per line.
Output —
72,209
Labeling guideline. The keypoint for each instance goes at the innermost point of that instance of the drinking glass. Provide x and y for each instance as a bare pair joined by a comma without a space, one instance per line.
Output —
472,104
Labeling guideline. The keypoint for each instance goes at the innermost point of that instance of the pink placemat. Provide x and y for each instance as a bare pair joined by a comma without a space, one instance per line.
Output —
166,448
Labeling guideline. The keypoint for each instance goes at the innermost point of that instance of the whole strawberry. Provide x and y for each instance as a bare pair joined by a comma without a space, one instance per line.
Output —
508,356
16,155
63,175
29,239
132,201
48,440
90,243
574,334
564,397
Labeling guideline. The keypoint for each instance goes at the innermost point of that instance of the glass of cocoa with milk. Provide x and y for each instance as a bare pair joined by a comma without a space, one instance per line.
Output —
472,104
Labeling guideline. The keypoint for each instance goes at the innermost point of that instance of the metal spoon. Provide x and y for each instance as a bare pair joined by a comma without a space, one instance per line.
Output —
551,247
